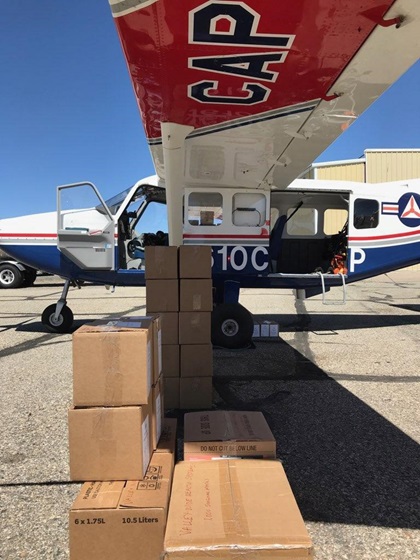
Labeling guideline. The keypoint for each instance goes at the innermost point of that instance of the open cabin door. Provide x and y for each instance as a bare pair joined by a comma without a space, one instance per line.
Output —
86,227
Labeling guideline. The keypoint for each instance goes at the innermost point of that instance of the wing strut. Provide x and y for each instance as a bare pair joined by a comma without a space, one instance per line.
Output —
173,143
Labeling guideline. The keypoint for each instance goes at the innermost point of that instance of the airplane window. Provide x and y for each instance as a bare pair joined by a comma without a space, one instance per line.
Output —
153,219
248,209
366,213
334,220
274,214
303,222
115,202
205,209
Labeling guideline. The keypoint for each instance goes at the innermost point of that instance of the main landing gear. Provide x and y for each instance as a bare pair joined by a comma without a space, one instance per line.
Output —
58,317
232,326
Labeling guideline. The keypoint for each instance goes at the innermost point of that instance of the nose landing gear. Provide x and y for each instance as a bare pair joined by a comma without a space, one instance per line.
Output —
58,317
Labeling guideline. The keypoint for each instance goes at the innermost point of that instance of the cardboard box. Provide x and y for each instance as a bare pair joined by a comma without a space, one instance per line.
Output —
222,433
162,296
171,390
230,509
196,392
196,295
169,326
168,438
196,360
111,443
123,520
113,362
157,342
158,411
170,360
195,327
194,261
161,262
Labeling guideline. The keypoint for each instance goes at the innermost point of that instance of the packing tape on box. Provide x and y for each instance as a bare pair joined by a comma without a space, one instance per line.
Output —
103,425
103,433
196,302
114,379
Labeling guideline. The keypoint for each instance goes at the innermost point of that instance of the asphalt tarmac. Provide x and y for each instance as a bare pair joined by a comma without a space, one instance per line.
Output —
339,388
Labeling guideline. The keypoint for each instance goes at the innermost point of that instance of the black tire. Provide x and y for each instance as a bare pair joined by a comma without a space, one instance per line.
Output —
10,276
29,277
232,326
64,322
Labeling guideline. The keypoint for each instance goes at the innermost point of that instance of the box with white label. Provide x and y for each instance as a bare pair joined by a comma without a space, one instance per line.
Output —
158,412
109,443
113,362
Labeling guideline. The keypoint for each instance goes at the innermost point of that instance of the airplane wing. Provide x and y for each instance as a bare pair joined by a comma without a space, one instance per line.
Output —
249,93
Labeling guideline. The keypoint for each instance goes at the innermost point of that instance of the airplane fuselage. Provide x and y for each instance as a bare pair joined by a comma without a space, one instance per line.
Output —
383,234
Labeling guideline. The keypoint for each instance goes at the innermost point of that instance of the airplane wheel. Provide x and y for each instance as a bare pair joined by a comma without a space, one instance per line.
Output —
60,325
10,276
232,326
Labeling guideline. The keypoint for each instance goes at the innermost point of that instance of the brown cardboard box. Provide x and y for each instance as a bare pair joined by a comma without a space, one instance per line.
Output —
194,261
226,509
171,390
196,392
169,325
195,327
158,411
196,295
111,443
168,438
161,262
157,341
113,362
123,520
170,360
162,296
196,360
222,433
157,348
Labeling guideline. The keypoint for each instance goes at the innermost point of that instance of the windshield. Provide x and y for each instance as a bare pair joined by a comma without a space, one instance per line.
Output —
115,202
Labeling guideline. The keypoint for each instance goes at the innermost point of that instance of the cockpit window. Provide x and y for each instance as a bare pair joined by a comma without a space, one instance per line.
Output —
366,213
302,222
115,202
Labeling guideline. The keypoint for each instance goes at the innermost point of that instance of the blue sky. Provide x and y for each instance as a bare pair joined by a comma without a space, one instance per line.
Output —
68,112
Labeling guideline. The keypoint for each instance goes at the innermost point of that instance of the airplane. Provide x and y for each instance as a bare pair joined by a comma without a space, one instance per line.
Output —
238,98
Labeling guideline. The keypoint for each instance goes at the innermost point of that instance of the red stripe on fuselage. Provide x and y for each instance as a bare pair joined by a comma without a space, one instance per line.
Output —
31,235
392,236
221,236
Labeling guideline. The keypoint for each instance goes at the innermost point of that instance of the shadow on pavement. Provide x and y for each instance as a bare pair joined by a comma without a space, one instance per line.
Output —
339,321
345,462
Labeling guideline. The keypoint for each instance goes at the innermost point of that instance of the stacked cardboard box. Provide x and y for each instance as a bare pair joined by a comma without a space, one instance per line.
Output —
123,520
179,289
227,433
233,508
224,507
116,418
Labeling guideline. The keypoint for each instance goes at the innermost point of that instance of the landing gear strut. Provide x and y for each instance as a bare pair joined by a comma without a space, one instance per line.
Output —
58,317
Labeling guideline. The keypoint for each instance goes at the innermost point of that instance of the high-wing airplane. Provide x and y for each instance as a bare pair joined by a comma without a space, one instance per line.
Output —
237,99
